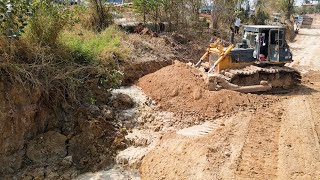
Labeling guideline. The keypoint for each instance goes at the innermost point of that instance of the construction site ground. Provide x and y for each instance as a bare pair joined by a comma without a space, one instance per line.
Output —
179,130
279,140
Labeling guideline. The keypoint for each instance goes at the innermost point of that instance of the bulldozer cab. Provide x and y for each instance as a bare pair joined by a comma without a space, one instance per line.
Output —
268,43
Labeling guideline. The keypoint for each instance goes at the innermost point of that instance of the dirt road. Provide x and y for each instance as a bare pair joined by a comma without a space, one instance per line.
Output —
306,49
277,141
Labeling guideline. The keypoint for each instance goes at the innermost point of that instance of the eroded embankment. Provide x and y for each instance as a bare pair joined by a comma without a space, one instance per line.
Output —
39,142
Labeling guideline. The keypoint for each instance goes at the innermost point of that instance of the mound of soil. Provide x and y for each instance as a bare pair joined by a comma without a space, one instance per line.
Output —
179,88
150,54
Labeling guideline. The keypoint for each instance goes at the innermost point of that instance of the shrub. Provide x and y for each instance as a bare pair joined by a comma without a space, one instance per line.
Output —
47,23
96,17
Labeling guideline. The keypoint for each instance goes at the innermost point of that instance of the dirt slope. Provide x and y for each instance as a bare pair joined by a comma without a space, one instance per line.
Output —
277,141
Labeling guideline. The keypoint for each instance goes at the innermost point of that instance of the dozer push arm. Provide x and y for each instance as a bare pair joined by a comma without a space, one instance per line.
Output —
222,57
213,45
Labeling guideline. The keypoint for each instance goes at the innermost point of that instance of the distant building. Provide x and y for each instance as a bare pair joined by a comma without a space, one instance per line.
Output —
116,1
306,2
72,2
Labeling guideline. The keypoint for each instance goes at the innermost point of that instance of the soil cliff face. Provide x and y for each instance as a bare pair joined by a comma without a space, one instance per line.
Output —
39,142
20,120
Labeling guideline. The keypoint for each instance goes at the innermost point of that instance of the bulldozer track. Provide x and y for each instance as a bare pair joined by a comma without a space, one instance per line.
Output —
279,77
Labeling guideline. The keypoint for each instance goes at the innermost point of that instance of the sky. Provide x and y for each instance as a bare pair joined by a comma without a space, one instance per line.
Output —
299,2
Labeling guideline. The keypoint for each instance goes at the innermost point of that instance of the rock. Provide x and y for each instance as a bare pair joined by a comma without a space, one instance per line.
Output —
90,153
180,38
123,131
122,101
35,174
119,142
94,110
157,129
66,162
107,112
141,142
47,148
147,31
175,92
197,94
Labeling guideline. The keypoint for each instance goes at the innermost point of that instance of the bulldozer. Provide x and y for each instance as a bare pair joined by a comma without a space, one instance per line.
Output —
257,64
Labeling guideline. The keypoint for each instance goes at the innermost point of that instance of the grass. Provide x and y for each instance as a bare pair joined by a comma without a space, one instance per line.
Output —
104,46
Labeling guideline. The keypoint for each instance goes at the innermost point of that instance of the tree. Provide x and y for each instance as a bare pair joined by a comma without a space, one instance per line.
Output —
178,13
224,12
287,7
317,8
142,7
261,16
101,18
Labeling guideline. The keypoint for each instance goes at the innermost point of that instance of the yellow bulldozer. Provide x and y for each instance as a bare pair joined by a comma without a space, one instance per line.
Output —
257,64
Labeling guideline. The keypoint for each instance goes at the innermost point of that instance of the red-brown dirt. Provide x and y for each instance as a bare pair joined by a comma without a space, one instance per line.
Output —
279,141
179,88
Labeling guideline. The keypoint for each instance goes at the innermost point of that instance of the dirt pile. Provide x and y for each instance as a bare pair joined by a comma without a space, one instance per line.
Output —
150,54
180,88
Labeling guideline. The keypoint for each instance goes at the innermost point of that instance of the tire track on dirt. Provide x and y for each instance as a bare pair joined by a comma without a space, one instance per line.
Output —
299,149
259,155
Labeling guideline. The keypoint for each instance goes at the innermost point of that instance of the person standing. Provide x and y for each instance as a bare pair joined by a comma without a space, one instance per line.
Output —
231,35
237,25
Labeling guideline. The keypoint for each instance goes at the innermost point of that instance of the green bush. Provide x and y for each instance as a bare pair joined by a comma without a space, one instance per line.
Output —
13,17
47,23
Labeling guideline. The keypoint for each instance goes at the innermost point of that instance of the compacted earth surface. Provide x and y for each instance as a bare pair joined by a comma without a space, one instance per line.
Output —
255,136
